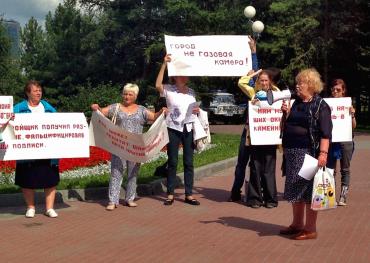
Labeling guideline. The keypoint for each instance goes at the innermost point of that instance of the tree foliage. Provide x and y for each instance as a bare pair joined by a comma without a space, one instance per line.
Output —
10,71
92,46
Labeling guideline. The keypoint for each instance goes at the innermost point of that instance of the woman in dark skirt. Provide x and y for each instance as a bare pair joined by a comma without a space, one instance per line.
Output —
36,174
307,130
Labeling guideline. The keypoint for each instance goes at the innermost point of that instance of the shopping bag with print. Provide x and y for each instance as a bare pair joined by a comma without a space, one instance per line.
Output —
323,193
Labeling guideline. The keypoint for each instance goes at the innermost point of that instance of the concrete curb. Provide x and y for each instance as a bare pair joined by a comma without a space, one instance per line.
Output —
101,193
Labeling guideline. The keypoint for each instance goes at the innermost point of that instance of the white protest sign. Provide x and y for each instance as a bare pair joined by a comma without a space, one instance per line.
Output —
341,118
129,146
208,55
6,108
46,136
264,121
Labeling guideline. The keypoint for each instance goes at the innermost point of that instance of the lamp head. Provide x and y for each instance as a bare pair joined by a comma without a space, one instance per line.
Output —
258,27
249,12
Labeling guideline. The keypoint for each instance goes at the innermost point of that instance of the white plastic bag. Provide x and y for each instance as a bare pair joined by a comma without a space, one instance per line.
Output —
323,192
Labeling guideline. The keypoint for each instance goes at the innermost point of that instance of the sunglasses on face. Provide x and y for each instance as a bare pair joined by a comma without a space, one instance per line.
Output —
336,90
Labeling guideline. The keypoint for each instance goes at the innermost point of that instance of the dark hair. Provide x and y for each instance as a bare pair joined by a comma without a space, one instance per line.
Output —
275,74
340,82
29,84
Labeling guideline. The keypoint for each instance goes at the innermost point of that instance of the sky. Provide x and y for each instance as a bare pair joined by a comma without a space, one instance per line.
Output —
23,10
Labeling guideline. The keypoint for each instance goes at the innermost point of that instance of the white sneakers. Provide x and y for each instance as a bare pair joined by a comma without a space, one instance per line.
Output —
51,213
30,213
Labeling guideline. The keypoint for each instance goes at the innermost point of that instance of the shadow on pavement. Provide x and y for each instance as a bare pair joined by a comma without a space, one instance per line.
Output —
262,229
217,195
220,195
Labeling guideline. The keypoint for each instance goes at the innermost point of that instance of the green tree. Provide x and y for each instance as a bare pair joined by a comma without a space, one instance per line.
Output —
4,55
33,49
11,80
292,39
348,49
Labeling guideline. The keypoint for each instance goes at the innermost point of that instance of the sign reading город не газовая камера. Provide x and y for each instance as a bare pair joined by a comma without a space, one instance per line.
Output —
215,55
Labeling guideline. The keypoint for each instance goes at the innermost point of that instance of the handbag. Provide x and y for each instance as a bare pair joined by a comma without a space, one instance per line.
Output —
201,131
323,192
114,117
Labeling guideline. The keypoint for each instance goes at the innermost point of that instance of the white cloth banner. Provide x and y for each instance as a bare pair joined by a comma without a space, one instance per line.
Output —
264,121
6,108
46,136
208,55
129,146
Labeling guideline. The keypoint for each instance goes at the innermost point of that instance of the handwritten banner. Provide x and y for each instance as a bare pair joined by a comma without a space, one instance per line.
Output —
342,119
45,136
208,55
129,146
6,108
264,121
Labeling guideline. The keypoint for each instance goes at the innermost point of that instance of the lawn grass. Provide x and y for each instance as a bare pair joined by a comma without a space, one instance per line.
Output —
363,128
226,147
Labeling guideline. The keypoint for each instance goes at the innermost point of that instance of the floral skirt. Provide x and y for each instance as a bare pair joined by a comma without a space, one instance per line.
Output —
297,189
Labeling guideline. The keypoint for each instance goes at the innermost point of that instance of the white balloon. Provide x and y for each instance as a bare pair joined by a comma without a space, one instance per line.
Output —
249,11
258,26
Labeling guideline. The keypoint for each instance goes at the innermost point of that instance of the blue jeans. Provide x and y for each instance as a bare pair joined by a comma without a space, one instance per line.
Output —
186,139
243,158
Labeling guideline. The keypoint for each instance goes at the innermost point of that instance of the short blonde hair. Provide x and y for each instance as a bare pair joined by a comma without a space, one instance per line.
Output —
131,87
312,78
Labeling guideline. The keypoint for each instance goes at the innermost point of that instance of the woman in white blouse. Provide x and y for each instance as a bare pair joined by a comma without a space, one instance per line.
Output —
182,108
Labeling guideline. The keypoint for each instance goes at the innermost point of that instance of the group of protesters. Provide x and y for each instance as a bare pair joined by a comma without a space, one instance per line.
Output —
44,173
307,129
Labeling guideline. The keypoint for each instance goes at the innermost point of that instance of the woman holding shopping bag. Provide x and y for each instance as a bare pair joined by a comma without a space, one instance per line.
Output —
307,130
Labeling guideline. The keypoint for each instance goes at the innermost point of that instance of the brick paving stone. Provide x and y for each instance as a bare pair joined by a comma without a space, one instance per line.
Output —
215,231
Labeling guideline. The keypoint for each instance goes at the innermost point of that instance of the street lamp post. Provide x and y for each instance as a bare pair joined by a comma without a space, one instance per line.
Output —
257,26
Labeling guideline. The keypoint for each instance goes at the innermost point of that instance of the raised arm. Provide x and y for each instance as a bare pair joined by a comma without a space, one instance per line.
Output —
159,81
104,110
253,46
152,116
243,83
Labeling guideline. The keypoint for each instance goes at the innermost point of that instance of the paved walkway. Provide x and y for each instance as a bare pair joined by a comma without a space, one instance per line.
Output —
216,231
